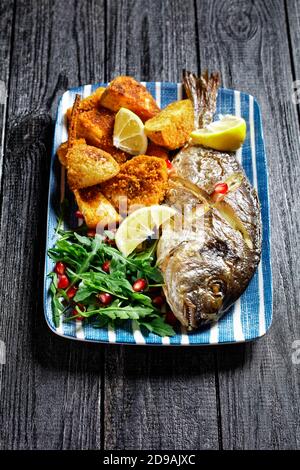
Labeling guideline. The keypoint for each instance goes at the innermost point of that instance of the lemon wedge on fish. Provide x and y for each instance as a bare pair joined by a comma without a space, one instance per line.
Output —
129,134
141,225
227,134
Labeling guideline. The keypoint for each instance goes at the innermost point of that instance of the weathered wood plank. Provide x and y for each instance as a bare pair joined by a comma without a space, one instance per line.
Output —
154,398
293,30
51,388
6,19
259,385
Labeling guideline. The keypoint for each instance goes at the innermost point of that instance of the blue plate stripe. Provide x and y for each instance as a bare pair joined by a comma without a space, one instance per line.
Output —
247,312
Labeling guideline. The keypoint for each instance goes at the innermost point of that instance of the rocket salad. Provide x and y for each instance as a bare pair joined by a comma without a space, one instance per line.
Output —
92,281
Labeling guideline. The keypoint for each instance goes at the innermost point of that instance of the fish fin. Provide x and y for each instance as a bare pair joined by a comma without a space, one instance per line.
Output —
202,91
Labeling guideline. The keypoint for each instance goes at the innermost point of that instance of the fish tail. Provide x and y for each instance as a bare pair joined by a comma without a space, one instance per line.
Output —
202,91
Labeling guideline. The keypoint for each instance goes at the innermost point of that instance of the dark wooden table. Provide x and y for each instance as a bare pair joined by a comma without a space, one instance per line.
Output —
59,394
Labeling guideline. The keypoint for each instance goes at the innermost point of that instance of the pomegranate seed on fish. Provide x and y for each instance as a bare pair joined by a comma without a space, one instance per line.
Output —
170,318
105,266
158,301
60,268
79,215
91,233
221,188
72,292
139,285
105,298
63,281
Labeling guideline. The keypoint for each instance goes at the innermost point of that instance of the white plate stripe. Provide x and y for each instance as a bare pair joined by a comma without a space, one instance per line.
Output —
138,337
87,91
179,91
237,102
262,320
184,336
112,337
79,329
157,94
165,340
214,334
237,321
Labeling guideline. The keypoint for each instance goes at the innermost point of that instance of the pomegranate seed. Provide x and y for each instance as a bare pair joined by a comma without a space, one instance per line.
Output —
109,241
79,215
158,301
106,266
72,292
91,233
221,188
169,165
139,285
60,268
63,282
74,312
105,298
170,318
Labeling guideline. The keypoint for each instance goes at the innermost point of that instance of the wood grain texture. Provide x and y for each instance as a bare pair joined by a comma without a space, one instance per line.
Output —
259,398
155,399
51,388
292,8
6,20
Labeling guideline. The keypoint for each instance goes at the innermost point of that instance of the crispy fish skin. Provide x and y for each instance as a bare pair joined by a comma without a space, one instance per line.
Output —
208,263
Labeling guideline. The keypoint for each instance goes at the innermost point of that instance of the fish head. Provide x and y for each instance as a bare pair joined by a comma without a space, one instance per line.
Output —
199,283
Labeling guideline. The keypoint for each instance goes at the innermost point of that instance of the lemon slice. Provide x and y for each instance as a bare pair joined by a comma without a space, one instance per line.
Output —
129,134
140,225
227,134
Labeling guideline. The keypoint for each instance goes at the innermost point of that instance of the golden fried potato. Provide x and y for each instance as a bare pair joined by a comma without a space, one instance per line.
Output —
88,166
95,208
142,180
172,126
88,103
63,150
96,127
157,151
125,92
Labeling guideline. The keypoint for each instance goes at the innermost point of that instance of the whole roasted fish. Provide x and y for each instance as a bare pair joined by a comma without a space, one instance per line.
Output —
209,256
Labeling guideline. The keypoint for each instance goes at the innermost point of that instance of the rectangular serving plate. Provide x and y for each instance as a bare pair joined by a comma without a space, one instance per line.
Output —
251,316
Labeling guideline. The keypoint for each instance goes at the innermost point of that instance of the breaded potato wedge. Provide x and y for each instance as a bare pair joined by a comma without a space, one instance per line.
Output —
142,180
96,127
172,126
88,103
63,150
95,208
88,166
155,150
126,92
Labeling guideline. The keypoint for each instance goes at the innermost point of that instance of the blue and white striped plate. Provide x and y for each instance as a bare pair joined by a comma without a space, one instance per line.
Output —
251,315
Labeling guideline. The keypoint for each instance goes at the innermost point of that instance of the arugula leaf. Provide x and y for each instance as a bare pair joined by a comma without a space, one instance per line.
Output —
158,326
84,257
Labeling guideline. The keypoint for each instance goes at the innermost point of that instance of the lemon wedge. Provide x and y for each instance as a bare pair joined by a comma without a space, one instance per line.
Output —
129,134
140,225
227,134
